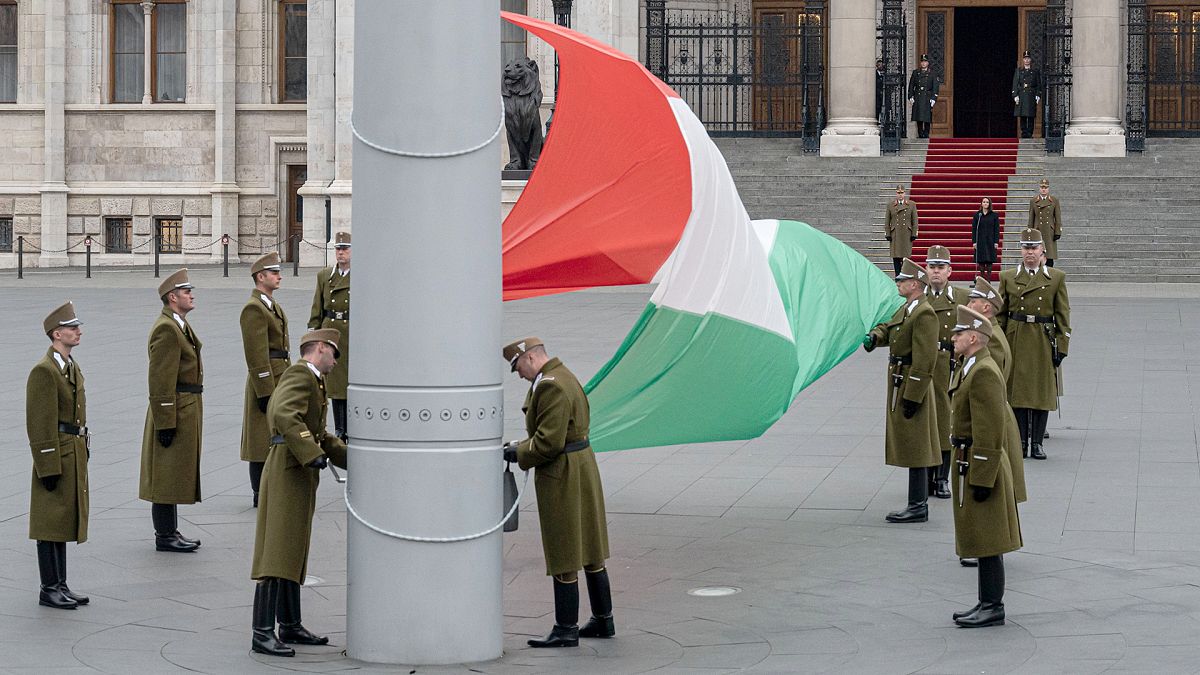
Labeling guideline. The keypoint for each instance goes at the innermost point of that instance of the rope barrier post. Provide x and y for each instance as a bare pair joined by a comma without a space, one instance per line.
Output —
87,243
21,257
225,254
156,249
296,258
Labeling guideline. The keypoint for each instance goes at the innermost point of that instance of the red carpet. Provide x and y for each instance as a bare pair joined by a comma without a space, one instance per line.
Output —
959,172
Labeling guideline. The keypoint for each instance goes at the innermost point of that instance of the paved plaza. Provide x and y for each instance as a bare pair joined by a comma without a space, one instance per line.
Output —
1108,580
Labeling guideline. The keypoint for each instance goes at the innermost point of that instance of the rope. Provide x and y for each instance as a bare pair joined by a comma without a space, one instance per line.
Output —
439,540
429,155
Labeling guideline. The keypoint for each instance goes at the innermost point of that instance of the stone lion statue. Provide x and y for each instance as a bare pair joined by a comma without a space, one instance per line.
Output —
522,90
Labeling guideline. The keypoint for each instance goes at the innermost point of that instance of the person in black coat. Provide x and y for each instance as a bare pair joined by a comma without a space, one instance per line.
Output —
985,236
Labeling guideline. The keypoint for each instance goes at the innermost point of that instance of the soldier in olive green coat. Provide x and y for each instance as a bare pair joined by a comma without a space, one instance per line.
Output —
900,227
300,448
331,309
986,524
912,442
56,422
945,300
1045,215
985,299
173,433
265,343
1038,326
569,495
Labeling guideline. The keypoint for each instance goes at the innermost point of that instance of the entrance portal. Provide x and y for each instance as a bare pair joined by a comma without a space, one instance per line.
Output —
986,39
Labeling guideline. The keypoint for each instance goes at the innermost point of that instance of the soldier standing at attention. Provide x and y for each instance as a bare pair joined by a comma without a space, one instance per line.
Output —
174,422
331,309
912,429
1045,214
300,448
569,495
986,525
265,342
923,89
56,421
945,300
900,227
1026,94
1037,325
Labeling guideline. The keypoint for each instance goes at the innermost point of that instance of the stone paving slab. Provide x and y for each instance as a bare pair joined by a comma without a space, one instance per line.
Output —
1107,581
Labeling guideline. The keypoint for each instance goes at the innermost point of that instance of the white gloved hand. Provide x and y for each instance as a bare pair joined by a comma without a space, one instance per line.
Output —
1016,99
932,101
1037,99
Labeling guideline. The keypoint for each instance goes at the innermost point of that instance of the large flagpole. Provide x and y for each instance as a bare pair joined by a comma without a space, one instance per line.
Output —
425,396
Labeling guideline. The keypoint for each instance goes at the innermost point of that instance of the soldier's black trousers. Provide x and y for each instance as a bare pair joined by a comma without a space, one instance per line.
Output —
1037,425
1026,127
339,417
922,129
1049,262
256,469
991,580
897,263
165,517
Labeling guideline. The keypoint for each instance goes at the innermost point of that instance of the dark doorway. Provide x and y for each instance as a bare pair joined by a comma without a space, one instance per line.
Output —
985,40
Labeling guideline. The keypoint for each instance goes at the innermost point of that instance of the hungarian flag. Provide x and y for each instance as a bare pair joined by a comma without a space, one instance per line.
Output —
630,189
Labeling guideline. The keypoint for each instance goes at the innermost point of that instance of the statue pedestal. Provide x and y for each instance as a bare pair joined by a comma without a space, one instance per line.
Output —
515,174
510,192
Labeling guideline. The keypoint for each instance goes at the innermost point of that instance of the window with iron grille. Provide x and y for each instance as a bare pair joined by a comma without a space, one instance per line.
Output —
118,233
170,235
6,238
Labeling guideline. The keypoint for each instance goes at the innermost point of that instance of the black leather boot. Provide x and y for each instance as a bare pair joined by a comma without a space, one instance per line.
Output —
339,417
1022,415
60,556
256,469
941,483
991,595
264,640
918,507
166,532
566,617
600,625
287,608
1038,426
51,595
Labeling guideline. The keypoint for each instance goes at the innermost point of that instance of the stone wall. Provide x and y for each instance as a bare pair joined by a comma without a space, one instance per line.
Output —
257,161
22,139
159,145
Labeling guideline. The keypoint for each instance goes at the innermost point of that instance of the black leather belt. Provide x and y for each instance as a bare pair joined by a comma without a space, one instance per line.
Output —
277,440
576,446
189,388
1029,318
339,316
900,360
65,428
277,353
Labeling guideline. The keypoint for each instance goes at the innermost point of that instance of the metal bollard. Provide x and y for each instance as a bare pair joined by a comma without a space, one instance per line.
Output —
156,247
87,243
225,253
21,257
296,259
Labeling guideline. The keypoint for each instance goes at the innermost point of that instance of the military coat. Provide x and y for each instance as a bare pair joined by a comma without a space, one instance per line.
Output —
1046,215
54,394
288,496
999,350
172,475
945,306
923,87
900,227
911,337
1026,88
1043,295
570,497
264,332
979,412
331,309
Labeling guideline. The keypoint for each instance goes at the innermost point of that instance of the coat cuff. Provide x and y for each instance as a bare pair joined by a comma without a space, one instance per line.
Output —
262,380
163,409
46,460
301,444
985,466
916,385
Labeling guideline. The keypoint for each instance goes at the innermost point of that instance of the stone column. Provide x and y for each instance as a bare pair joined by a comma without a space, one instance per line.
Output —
853,130
322,126
54,186
343,104
225,188
148,54
1095,129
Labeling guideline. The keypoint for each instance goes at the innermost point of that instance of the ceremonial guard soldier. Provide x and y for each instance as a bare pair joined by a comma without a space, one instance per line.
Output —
300,448
1045,215
912,429
1037,324
1026,94
986,525
173,434
331,309
944,299
569,495
923,87
900,227
56,422
879,87
265,343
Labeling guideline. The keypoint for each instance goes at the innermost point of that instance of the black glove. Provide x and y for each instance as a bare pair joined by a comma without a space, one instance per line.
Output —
166,437
510,452
912,239
319,463
1057,237
869,342
981,493
910,408
262,403
1057,359
50,482
888,238
947,345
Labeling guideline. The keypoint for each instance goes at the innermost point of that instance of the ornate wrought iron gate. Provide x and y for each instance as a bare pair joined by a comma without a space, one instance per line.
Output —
1135,77
1171,65
892,34
744,75
1057,112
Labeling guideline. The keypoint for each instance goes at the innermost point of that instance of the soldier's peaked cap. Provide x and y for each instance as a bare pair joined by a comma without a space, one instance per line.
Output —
63,315
515,350
1026,55
924,57
937,255
269,261
1031,237
969,319
911,270
341,240
899,188
329,336
1045,182
176,281
984,289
